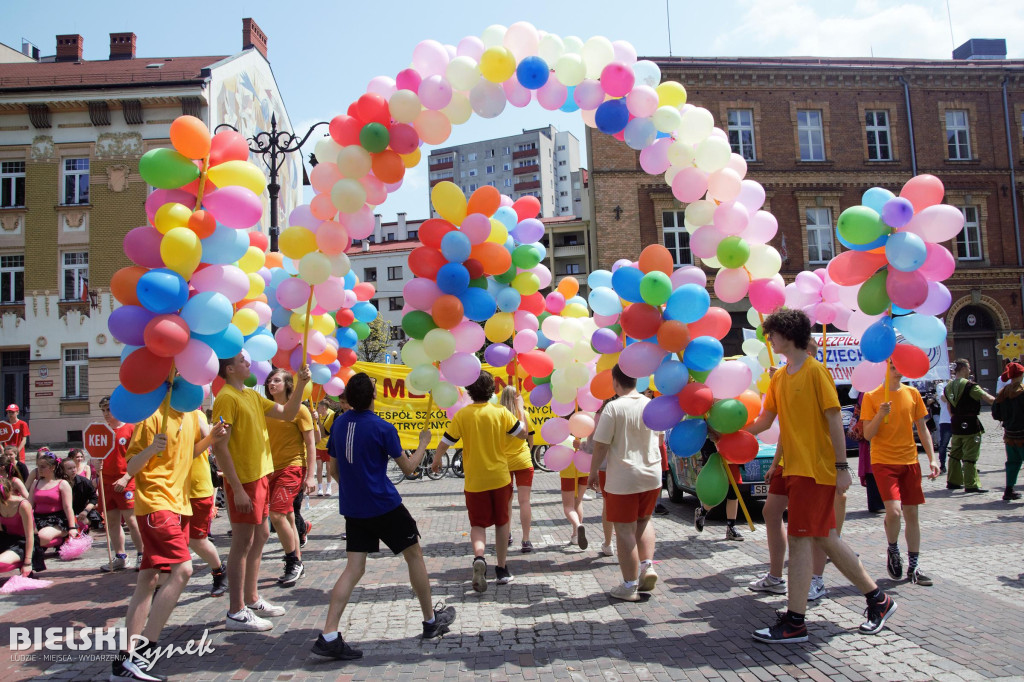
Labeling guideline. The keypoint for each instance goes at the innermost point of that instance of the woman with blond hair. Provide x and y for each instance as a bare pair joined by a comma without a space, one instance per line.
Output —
520,463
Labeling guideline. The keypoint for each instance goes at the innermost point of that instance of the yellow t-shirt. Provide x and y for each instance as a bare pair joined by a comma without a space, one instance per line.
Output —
894,442
483,428
287,445
517,450
800,400
325,429
162,483
200,482
249,443
571,472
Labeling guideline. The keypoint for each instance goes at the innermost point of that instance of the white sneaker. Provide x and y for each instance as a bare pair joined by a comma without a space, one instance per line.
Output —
327,491
768,583
247,621
817,590
265,608
648,579
588,495
606,550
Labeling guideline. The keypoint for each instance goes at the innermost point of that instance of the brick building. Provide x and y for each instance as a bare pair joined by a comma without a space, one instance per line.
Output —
71,134
816,133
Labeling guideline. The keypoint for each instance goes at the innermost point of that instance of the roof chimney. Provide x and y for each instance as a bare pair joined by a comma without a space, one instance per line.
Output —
69,48
253,36
122,46
981,48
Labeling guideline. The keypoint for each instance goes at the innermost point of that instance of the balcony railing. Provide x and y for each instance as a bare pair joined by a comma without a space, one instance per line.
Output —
528,185
525,154
532,168
567,251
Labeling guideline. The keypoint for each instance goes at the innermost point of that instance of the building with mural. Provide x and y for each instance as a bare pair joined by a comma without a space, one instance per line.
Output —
71,134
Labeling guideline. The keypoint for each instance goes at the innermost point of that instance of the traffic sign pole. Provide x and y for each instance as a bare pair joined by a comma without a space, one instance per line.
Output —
99,443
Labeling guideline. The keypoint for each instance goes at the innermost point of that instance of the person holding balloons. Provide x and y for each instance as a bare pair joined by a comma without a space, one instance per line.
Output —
520,463
731,501
246,462
803,396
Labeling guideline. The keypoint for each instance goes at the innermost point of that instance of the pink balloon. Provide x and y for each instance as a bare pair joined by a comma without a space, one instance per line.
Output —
731,284
159,197
938,301
517,95
581,425
421,293
477,227
197,364
641,359
906,289
554,302
761,228
292,293
771,436
729,379
435,92
287,338
142,245
588,95
335,386
859,322
867,376
808,283
234,206
654,158
731,218
302,215
543,274
555,430
316,343
562,409
688,274
552,94
766,296
376,191
843,316
525,341
724,184
797,297
360,224
408,79
642,101
469,336
617,79
330,294
558,457
582,461
461,369
605,320
751,195
226,279
939,263
586,400
923,191
525,320
689,184
262,311
936,224
704,242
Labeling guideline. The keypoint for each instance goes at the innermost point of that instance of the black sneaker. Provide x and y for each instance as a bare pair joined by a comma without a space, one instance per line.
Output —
444,616
876,615
894,565
220,582
125,668
1010,495
581,537
337,649
479,574
975,490
953,486
918,578
504,577
732,534
661,510
783,632
699,517
292,572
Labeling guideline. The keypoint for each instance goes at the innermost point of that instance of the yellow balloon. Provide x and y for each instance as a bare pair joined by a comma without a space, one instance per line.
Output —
252,260
497,64
256,285
246,320
526,283
180,246
762,382
671,94
607,361
354,161
499,233
324,324
412,159
170,216
449,202
574,310
239,173
298,322
307,391
499,327
295,242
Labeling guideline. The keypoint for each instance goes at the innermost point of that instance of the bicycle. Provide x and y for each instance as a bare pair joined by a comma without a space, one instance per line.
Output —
396,475
455,466
538,457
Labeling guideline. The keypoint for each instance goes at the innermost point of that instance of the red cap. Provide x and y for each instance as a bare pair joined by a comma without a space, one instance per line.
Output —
13,408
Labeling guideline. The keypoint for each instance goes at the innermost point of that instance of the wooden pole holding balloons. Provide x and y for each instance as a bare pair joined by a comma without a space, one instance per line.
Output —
305,328
824,345
736,490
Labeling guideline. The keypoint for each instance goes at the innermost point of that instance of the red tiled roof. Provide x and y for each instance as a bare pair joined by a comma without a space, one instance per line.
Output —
119,72
387,247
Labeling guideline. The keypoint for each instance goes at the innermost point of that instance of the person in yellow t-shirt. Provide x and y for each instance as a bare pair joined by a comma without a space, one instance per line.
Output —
161,464
200,493
483,428
520,464
324,420
889,427
293,449
245,461
804,398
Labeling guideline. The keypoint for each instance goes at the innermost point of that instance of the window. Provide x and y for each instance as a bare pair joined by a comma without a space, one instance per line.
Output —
570,240
572,268
443,175
958,135
677,239
462,158
563,194
526,147
562,178
12,279
443,159
12,184
741,132
76,372
968,242
394,272
471,156
390,237
369,274
397,333
473,187
490,170
414,234
489,154
561,147
526,163
462,174
508,182
76,181
877,125
396,303
371,239
562,163
472,172
506,166
76,275
507,151
812,135
819,235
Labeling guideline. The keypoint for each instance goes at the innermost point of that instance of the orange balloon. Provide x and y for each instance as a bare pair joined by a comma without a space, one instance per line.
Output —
202,223
601,385
190,136
345,374
388,166
493,257
485,200
715,323
447,311
274,259
569,287
322,207
328,356
656,257
673,336
124,282
752,401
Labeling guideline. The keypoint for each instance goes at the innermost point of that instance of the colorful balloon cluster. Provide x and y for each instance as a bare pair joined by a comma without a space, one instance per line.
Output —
195,293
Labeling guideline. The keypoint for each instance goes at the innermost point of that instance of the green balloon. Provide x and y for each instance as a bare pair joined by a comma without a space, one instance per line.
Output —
861,225
542,380
167,169
727,416
733,252
479,282
655,288
712,481
872,298
361,329
374,138
507,276
760,333
250,381
699,377
525,257
417,323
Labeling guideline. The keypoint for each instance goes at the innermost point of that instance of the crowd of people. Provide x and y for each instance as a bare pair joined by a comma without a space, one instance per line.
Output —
270,452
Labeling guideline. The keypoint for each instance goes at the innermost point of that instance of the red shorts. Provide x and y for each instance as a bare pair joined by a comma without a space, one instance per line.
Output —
258,492
284,488
632,507
812,507
523,478
489,507
664,457
116,500
203,512
901,482
570,484
322,456
779,485
601,476
164,541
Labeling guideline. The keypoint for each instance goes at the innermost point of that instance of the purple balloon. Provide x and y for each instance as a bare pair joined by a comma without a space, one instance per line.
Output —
499,355
540,395
128,323
528,231
606,342
897,212
142,245
663,413
303,216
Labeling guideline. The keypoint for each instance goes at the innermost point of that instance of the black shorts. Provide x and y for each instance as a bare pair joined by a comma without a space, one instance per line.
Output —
12,543
396,529
57,520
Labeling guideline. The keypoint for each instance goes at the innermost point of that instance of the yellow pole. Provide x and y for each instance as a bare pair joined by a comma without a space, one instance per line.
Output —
736,489
824,345
305,329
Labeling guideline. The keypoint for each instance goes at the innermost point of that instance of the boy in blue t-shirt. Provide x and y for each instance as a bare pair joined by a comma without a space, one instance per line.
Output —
360,446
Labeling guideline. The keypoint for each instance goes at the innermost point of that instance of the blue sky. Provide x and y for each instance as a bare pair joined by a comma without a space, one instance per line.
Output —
324,52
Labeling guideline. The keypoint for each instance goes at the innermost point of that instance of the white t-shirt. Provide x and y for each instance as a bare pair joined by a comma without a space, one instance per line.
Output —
634,460
944,416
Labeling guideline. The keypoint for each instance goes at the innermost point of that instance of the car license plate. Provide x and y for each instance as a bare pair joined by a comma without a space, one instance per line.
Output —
759,490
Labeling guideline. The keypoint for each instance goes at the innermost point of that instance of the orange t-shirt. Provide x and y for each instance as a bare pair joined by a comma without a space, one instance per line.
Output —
287,439
894,442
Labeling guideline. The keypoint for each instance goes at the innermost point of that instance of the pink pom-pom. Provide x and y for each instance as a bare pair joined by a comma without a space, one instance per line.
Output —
75,547
20,583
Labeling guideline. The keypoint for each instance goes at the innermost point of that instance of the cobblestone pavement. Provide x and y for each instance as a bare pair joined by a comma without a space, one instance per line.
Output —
556,622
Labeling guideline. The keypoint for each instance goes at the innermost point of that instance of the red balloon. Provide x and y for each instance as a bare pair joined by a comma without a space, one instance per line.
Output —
696,399
143,371
404,139
641,320
526,207
345,317
910,361
218,384
425,262
474,267
855,267
373,108
536,363
282,358
739,447
433,230
716,323
259,240
364,291
228,145
347,357
528,384
532,303
344,130
166,335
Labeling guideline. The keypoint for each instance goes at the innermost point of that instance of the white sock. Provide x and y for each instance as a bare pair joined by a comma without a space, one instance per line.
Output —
630,583
431,621
237,614
645,564
330,636
817,578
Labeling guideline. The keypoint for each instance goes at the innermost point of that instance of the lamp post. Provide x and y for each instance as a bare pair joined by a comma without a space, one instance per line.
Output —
273,146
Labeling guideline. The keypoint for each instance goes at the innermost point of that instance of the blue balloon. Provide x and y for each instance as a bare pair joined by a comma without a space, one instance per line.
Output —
862,247
688,303
923,331
186,397
599,278
280,317
455,246
570,101
878,341
507,216
626,282
290,267
347,337
604,301
453,278
208,312
226,343
876,198
612,116
320,374
477,304
703,354
277,276
906,251
260,347
578,300
350,279
639,133
687,437
162,291
365,311
671,376
508,300
642,384
541,251
533,72
225,245
131,408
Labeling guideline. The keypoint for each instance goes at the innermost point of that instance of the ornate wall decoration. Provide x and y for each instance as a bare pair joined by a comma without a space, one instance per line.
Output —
42,148
117,178
110,145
